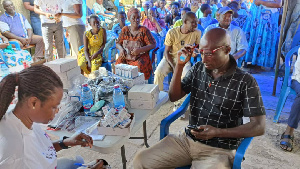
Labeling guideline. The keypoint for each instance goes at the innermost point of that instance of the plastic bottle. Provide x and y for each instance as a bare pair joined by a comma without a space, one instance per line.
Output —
87,99
118,98
4,70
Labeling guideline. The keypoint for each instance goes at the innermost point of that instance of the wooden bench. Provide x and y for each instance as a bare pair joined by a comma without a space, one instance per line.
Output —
29,48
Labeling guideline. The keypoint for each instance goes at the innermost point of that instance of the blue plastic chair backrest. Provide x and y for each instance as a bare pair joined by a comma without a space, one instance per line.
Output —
288,63
201,29
156,39
296,39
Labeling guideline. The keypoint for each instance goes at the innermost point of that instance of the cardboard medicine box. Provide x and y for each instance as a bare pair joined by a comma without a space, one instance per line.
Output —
68,75
141,104
145,92
109,131
62,65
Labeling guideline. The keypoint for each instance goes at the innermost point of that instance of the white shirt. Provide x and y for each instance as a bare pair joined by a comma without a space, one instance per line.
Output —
296,73
49,6
4,27
99,8
68,7
237,37
22,148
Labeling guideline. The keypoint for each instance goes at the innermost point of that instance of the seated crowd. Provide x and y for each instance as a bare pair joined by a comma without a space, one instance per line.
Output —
217,33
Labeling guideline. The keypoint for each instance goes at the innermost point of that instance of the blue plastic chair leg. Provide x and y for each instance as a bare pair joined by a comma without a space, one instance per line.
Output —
283,96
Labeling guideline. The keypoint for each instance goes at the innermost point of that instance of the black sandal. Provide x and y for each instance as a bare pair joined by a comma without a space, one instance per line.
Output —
287,144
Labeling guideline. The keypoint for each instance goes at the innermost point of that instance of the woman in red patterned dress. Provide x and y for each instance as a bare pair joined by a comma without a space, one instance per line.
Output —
141,35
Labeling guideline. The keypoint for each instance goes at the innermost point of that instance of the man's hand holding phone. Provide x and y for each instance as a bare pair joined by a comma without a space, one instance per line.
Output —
205,132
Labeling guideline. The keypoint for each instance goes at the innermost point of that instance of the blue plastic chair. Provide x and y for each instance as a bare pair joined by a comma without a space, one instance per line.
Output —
165,125
117,4
17,45
286,88
151,52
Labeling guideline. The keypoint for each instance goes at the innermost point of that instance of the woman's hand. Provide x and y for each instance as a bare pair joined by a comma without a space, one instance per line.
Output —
3,45
94,56
81,139
122,53
98,165
49,16
136,51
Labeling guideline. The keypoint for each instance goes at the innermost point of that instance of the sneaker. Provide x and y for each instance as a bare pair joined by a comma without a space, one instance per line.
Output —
176,106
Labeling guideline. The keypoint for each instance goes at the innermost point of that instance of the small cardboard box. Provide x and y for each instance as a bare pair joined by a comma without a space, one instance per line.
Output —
68,75
62,65
136,81
145,92
140,104
109,131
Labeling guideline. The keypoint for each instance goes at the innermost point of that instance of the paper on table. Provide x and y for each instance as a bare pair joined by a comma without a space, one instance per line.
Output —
94,134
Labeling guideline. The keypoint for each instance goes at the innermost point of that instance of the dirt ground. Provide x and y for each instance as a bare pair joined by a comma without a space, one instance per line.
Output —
263,153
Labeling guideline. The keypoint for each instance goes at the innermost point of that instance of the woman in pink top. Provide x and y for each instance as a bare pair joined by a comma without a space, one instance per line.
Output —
154,24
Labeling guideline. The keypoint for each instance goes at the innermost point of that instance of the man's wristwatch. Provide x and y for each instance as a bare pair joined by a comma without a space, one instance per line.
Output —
61,143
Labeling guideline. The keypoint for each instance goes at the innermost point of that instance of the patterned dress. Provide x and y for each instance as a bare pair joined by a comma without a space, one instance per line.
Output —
95,43
146,38
14,57
261,30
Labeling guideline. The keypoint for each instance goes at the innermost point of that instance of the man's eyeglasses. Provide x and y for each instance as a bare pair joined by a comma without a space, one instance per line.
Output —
201,51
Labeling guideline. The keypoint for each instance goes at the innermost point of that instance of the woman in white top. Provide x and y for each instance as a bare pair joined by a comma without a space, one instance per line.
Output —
71,16
23,143
287,137
51,26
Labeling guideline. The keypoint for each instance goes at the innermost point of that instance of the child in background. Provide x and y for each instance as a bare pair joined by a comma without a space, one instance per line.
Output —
144,10
162,10
206,20
90,56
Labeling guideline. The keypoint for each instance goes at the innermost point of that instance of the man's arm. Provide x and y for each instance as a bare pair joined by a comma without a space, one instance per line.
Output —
28,6
242,45
176,91
40,12
10,35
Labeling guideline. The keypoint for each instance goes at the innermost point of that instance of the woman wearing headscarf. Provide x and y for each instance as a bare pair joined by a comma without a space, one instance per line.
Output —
134,43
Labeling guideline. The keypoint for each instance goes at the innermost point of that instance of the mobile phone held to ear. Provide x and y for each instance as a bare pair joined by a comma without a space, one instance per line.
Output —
192,127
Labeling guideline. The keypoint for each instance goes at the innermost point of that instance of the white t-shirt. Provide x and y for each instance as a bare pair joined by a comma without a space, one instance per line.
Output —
68,7
49,6
24,148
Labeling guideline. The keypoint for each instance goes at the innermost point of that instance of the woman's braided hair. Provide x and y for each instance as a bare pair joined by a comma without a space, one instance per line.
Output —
36,81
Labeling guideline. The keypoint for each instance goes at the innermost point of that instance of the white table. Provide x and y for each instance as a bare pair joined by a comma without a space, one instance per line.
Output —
110,144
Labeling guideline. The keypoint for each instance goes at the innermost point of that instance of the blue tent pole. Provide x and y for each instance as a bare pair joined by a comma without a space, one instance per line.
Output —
83,11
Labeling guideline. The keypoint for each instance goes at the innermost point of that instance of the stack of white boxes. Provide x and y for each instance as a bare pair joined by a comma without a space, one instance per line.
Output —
66,69
130,74
143,96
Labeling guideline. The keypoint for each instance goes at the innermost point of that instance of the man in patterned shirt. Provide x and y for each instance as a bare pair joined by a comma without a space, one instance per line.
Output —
221,94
